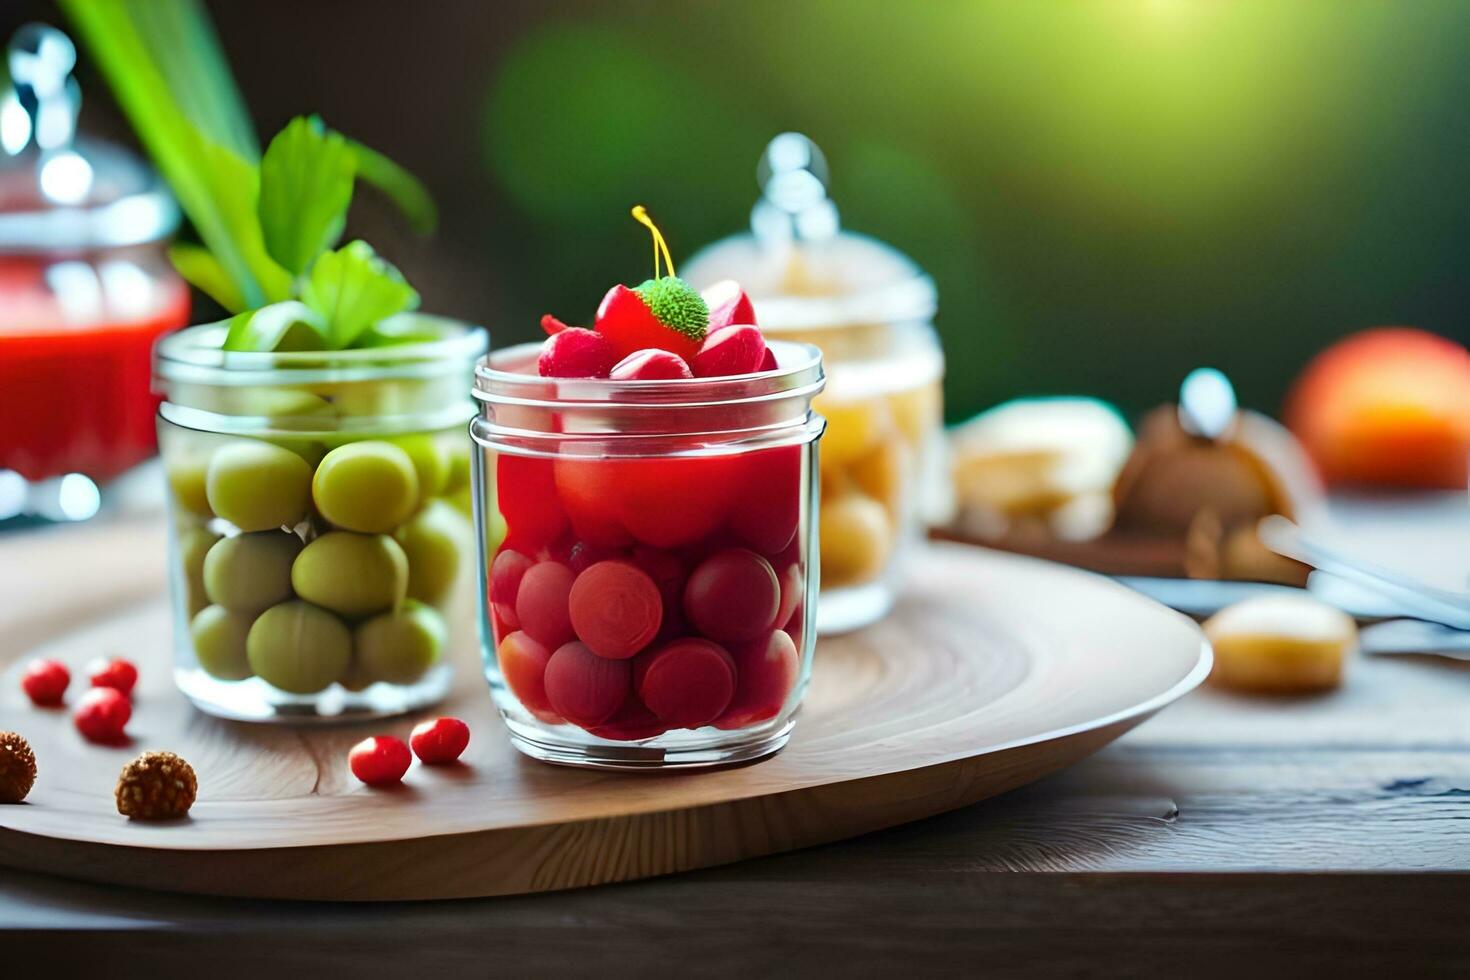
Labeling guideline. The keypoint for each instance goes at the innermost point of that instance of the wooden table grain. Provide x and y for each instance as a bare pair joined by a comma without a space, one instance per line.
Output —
1277,836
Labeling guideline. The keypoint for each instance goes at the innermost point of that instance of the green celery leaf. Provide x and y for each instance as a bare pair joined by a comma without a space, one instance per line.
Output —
199,266
234,187
305,189
353,289
401,187
291,325
403,329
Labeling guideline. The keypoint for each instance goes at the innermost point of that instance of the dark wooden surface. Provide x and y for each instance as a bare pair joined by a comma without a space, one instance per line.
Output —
1278,837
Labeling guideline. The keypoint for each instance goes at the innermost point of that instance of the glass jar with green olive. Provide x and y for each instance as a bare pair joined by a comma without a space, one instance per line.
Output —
321,541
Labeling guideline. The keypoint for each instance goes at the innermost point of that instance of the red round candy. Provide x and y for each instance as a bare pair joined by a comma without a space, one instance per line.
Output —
733,596
379,761
767,670
506,572
440,741
541,603
576,352
733,350
650,365
793,587
526,494
45,682
629,326
116,673
523,666
671,503
584,688
616,609
687,683
766,512
102,714
633,722
728,306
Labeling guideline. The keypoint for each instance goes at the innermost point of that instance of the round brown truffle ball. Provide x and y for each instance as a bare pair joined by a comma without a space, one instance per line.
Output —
17,768
156,786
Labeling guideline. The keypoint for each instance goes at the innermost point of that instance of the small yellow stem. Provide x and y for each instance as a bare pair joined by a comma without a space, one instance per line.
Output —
640,214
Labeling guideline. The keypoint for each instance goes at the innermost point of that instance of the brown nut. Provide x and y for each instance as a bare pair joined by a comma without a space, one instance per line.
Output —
17,768
156,786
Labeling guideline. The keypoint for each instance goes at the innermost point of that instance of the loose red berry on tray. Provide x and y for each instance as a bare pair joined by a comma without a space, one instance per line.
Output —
102,715
576,353
687,683
523,666
650,364
733,350
116,673
733,596
728,305
766,672
440,741
552,325
45,682
379,761
616,609
584,688
541,603
506,572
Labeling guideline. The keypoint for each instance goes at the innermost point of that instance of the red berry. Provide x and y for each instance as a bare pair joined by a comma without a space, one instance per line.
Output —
650,364
102,714
584,688
576,353
541,603
116,673
728,305
767,670
44,682
629,326
733,596
670,503
441,741
616,609
379,761
687,683
588,490
523,666
552,325
731,351
506,572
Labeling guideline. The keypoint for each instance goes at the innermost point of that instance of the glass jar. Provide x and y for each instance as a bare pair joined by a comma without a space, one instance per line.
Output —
870,309
652,601
321,538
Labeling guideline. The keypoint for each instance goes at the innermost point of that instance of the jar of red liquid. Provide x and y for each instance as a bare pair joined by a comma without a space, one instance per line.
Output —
85,285
653,600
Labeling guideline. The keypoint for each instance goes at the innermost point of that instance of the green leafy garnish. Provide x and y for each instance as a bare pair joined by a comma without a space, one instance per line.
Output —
676,304
289,325
305,188
352,289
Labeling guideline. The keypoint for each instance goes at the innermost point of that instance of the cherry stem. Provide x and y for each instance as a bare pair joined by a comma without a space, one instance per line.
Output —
640,214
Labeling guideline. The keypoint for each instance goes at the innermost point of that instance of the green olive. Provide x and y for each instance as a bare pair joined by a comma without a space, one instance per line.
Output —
249,572
257,486
433,539
430,462
298,647
355,678
352,574
194,545
368,486
399,647
219,637
458,477
186,483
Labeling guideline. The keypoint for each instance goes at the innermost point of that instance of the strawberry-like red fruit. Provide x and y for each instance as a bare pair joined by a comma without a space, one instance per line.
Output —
768,360
733,350
576,353
630,326
651,364
728,305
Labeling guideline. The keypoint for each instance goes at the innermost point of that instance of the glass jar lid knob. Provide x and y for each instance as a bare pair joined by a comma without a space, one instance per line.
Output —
793,206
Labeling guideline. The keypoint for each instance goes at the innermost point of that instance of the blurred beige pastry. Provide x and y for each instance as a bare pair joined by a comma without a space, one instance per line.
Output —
1280,644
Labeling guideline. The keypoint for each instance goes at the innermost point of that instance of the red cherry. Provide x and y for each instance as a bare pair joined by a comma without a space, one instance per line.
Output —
506,572
671,503
523,666
650,364
616,609
526,494
552,325
733,350
728,305
541,603
767,509
45,682
118,674
440,741
767,670
733,596
584,688
687,683
576,353
633,722
379,761
629,326
102,714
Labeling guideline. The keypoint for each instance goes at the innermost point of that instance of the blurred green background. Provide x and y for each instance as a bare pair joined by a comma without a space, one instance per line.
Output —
1108,192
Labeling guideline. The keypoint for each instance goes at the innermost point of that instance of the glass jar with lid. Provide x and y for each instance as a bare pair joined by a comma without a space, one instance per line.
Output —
870,309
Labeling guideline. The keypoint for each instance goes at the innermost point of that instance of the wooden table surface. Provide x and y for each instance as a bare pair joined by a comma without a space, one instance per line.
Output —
1279,836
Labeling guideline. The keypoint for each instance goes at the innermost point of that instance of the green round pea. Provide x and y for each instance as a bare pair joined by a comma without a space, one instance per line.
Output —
186,483
219,637
433,540
257,486
249,572
430,462
352,574
194,545
368,486
298,647
400,647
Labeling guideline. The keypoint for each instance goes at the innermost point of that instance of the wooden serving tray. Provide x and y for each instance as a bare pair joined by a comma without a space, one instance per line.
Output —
992,671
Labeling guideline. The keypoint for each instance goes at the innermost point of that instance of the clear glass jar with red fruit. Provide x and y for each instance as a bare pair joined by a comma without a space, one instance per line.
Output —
653,600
